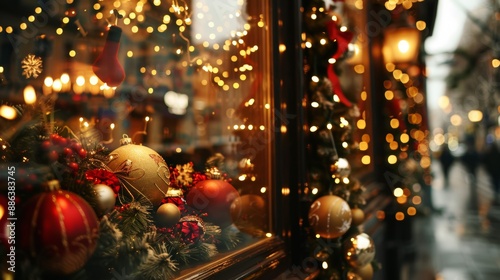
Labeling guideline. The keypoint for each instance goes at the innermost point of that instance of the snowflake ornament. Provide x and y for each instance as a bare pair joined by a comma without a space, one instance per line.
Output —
185,174
32,66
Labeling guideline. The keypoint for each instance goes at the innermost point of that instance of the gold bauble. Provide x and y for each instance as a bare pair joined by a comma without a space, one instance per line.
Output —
358,216
249,213
167,215
106,198
143,173
330,216
365,272
359,250
341,168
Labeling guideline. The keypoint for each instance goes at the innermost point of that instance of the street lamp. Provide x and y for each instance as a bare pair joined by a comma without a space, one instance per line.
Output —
401,45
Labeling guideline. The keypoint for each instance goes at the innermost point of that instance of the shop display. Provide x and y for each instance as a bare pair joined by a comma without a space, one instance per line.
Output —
62,235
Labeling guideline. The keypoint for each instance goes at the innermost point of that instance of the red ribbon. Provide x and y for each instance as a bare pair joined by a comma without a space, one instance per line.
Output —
343,39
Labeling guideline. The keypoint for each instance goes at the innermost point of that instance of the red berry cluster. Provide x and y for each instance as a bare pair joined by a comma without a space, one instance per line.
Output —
65,150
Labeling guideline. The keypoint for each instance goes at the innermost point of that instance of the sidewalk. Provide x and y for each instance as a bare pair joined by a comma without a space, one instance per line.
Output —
462,242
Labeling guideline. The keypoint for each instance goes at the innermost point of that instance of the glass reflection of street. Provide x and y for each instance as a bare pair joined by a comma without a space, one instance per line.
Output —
461,240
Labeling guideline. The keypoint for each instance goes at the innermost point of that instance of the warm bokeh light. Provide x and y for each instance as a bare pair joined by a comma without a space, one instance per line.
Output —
495,62
444,102
8,112
412,211
392,159
29,94
475,115
398,192
366,160
456,120
400,216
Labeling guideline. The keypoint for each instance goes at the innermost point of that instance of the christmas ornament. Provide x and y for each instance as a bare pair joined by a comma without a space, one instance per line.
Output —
107,67
358,216
106,199
32,66
365,272
191,228
175,196
64,150
213,197
359,250
247,212
167,215
144,174
341,168
59,230
330,216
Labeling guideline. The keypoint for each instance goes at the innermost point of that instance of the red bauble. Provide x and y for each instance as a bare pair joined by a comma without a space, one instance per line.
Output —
59,231
213,197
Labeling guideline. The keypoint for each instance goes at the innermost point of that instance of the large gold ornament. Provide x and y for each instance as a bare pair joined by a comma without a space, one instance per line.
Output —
143,173
330,216
359,250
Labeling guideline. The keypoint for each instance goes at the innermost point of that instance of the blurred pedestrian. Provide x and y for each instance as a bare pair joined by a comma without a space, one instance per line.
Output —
446,159
491,163
471,160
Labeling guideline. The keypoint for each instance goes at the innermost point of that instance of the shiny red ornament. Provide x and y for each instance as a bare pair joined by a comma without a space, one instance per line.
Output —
213,197
59,231
107,67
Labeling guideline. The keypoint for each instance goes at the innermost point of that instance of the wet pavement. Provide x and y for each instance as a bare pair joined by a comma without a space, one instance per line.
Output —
461,239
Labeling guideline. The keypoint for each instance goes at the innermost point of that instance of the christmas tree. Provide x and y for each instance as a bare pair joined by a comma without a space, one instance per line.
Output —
333,197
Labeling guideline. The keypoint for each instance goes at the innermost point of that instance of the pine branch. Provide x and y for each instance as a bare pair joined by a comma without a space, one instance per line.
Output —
229,238
158,265
109,239
132,219
132,252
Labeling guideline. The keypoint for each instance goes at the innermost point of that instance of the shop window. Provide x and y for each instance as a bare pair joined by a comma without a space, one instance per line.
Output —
154,118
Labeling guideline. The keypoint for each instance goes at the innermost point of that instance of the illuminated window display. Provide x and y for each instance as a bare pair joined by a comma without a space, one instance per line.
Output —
138,135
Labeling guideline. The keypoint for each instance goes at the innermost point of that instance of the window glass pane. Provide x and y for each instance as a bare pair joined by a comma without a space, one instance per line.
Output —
154,118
